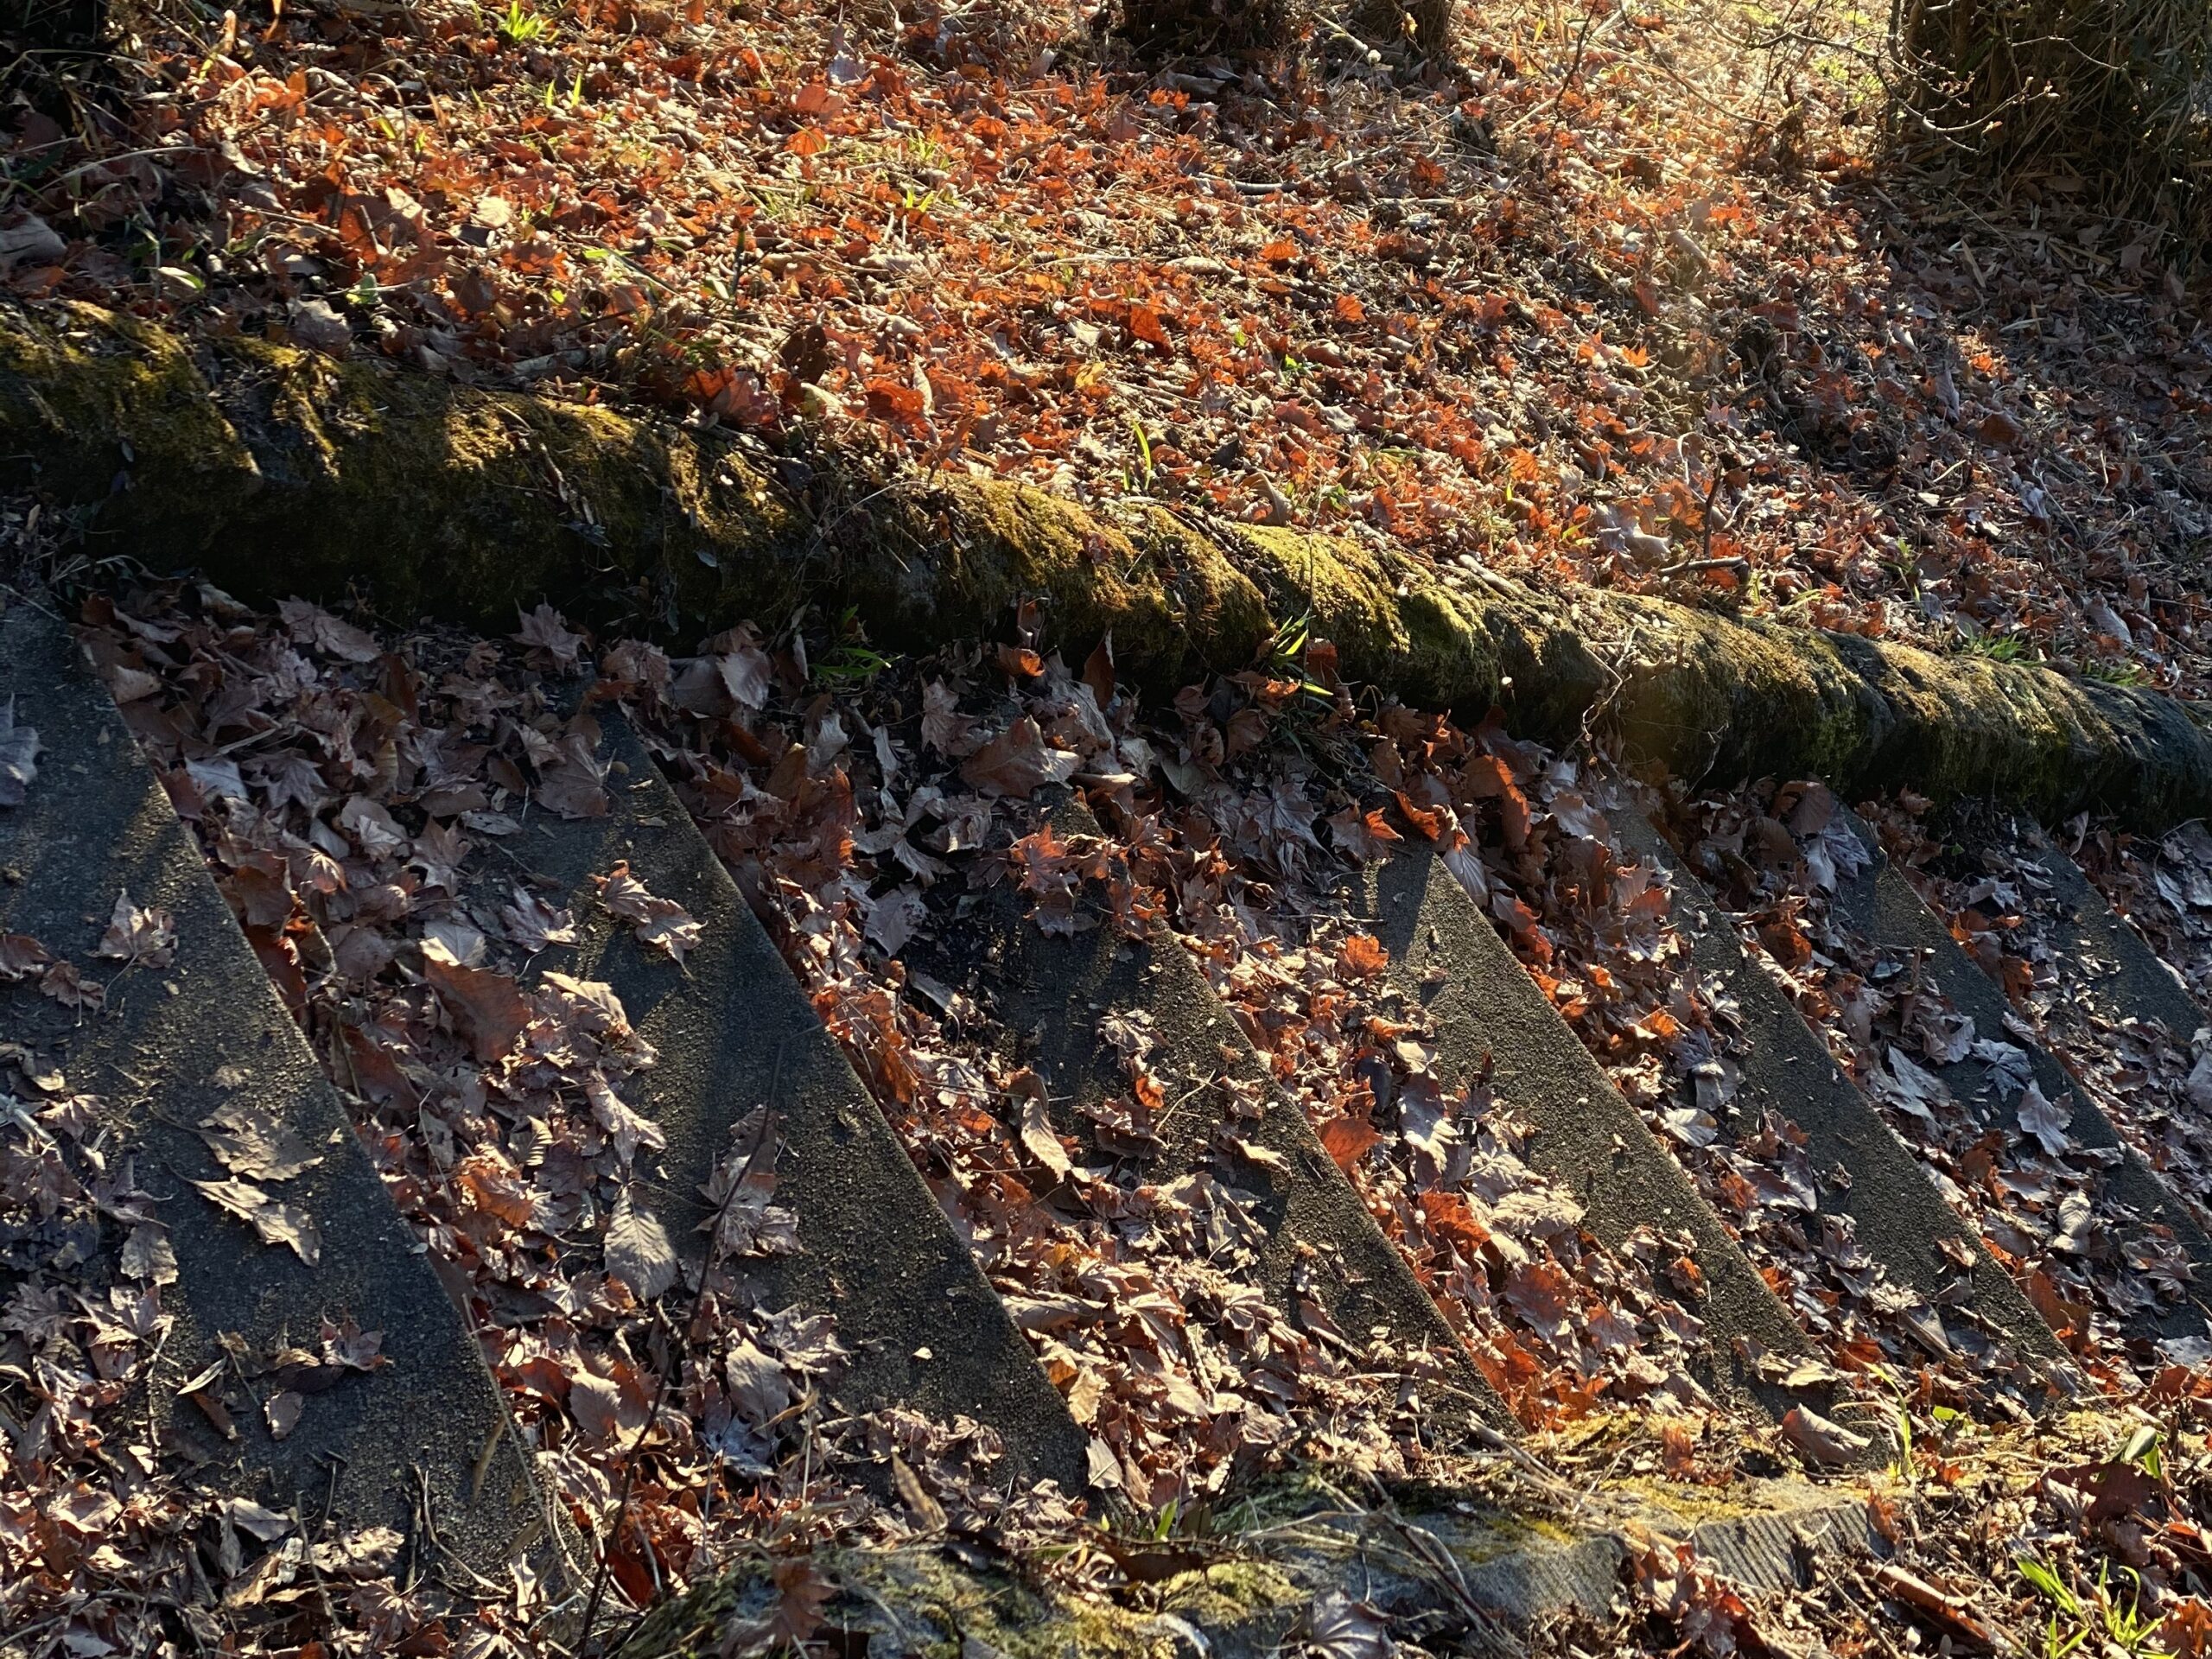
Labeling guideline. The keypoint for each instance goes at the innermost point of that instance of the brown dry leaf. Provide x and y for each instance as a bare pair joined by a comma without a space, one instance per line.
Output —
71,988
314,626
944,729
1018,761
745,674
1037,1134
372,829
1364,956
87,1511
545,630
2045,1121
19,749
758,1385
201,1391
573,785
638,1250
21,955
1348,1140
252,1141
127,684
1821,1441
655,921
1336,1627
489,1004
277,1223
1947,1610
895,917
625,1126
283,1412
138,935
916,1497
147,1254
533,924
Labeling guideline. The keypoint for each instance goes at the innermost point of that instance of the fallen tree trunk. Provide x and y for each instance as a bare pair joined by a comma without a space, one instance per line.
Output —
278,471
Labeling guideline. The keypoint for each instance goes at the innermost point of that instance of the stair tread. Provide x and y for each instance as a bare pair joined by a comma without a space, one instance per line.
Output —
734,1029
1485,1007
1899,1214
1883,908
173,1044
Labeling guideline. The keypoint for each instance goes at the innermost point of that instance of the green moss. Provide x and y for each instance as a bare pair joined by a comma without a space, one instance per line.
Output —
278,471
921,1599
1231,1594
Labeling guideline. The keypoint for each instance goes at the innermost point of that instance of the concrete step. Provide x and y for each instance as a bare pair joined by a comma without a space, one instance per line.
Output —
423,1432
2124,978
1486,1010
2115,1006
733,1030
1882,907
1057,993
1900,1217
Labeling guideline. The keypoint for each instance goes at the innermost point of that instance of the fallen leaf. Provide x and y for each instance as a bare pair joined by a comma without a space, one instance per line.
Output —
138,935
489,1004
2045,1121
894,918
252,1141
1821,1441
1336,1627
21,955
263,1523
283,1412
372,829
1945,1610
1018,761
1037,1137
127,684
920,1503
313,626
746,675
201,1392
147,1254
1364,956
545,630
944,729
639,1251
655,921
573,783
534,925
276,1222
1348,1140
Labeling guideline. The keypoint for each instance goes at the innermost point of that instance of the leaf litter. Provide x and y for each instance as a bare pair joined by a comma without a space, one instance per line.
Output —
493,1104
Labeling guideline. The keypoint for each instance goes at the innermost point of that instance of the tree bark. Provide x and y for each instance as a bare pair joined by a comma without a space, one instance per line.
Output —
278,471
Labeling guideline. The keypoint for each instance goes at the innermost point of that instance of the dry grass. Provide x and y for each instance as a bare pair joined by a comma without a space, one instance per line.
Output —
2105,98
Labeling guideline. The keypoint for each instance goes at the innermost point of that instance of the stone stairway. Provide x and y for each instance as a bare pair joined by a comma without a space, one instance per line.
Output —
1321,1259
733,1031
1883,908
1488,1013
414,1434
1900,1218
400,1426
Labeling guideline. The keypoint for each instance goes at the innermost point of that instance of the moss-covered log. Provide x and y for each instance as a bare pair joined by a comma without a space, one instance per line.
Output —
923,1601
278,471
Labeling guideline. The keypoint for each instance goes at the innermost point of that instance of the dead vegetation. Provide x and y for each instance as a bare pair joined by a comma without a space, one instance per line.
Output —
2095,109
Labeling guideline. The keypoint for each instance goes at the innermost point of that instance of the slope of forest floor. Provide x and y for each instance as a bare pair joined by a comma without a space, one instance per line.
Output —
1630,297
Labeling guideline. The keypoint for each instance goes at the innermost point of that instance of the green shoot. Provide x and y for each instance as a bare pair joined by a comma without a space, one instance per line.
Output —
520,28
